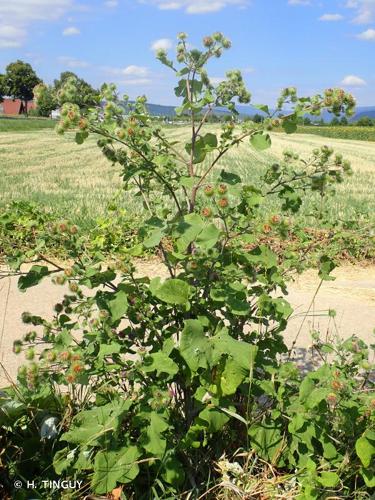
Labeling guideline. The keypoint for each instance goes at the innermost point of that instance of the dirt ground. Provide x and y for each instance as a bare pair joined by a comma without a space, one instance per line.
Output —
351,295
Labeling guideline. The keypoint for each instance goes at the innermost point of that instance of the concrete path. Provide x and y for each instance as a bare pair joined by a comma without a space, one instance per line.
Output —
352,295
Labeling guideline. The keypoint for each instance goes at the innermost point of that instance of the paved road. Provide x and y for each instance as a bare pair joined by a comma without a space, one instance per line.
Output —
352,295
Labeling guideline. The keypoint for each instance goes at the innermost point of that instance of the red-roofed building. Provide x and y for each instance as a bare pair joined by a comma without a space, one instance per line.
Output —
15,106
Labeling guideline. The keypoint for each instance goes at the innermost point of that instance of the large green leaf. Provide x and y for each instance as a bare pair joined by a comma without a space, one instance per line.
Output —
210,141
118,305
173,291
369,477
159,362
89,427
262,255
10,410
200,150
365,450
326,266
241,352
268,440
306,387
214,419
195,346
239,363
329,479
193,228
187,230
290,125
154,238
208,237
33,277
152,438
234,297
62,460
112,467
173,471
108,350
260,141
316,397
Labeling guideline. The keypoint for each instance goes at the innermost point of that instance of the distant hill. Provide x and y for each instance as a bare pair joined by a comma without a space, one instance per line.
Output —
364,111
160,110
249,110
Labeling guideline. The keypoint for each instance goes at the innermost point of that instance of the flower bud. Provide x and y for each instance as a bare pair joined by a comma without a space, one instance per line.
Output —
17,347
64,355
222,189
332,399
30,354
208,41
103,314
206,212
73,287
223,202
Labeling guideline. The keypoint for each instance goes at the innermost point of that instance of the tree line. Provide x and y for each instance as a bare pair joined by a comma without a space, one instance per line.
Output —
20,81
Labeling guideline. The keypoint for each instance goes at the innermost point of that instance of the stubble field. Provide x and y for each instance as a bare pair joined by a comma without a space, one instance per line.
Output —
77,181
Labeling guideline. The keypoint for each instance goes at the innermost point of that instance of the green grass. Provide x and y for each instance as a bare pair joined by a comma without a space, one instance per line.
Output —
15,124
77,182
341,132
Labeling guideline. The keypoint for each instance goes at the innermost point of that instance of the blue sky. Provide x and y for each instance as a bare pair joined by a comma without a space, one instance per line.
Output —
312,44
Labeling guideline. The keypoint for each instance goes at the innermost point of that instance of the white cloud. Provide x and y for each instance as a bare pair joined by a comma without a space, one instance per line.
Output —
331,17
353,81
170,6
26,11
111,4
299,2
196,6
16,16
71,31
72,62
132,70
130,75
365,10
11,36
162,44
216,80
368,35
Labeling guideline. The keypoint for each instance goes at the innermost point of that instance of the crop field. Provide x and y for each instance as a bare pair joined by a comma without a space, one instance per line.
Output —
21,124
78,181
352,132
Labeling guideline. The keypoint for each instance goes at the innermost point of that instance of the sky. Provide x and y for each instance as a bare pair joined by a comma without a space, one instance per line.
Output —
310,44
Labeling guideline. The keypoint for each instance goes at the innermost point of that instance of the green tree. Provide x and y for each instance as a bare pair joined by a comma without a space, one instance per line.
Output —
365,121
46,99
20,80
257,118
2,87
335,122
344,121
86,95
